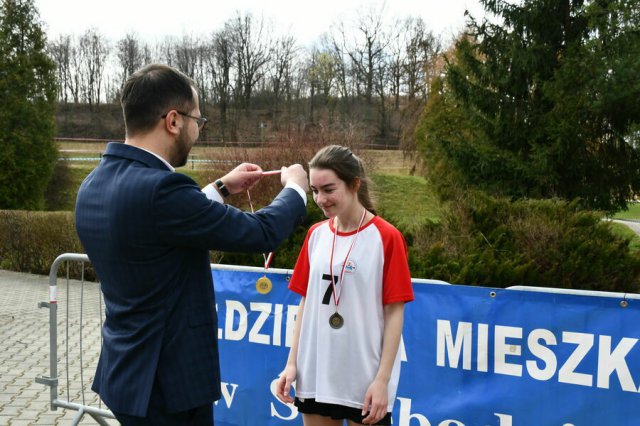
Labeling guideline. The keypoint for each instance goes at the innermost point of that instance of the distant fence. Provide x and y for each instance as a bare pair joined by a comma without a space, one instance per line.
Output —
231,144
192,160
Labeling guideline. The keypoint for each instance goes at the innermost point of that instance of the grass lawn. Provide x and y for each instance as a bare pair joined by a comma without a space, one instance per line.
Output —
625,232
405,200
633,213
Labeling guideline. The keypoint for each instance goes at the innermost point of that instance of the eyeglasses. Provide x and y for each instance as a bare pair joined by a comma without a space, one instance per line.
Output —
200,120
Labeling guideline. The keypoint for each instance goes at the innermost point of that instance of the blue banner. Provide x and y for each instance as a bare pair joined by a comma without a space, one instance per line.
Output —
472,356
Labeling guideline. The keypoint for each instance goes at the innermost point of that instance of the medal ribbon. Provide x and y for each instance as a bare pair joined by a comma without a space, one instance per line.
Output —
336,297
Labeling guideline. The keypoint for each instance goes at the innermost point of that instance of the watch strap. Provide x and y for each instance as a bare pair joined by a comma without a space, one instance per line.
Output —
222,188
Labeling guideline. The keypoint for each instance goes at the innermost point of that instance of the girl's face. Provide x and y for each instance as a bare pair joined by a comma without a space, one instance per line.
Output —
331,193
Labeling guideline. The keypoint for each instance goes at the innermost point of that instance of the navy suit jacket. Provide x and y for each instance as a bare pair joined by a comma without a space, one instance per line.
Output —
148,232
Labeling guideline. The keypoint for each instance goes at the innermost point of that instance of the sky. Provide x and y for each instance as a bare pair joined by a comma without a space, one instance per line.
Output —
305,20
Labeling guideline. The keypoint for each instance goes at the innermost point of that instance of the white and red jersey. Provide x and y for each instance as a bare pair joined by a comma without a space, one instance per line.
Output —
337,366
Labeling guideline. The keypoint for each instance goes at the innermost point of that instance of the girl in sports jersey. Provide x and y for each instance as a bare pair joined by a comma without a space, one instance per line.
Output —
353,276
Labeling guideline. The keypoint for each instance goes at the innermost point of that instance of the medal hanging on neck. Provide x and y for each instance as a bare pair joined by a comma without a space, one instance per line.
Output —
263,284
336,321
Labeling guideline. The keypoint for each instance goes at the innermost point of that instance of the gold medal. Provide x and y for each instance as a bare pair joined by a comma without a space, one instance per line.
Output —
263,285
336,321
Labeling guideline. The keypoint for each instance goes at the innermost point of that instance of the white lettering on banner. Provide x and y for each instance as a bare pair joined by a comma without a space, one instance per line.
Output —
406,417
234,306
543,353
567,373
277,325
615,361
483,348
254,335
507,351
461,344
403,351
236,322
502,350
226,395
505,419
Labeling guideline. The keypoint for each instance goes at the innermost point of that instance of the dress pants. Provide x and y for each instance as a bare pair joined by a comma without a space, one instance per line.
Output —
158,416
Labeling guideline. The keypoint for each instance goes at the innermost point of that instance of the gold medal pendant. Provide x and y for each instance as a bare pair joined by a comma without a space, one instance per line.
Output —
263,285
336,321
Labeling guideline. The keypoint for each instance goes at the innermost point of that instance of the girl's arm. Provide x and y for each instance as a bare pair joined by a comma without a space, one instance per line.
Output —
291,370
376,399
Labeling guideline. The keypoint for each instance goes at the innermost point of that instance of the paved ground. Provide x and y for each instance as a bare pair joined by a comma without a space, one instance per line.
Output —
24,349
635,226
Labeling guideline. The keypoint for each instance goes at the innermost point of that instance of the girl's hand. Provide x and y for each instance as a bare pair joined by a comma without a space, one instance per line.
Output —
283,387
375,402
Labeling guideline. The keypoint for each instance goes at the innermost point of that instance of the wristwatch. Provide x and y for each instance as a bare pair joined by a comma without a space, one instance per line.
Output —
223,189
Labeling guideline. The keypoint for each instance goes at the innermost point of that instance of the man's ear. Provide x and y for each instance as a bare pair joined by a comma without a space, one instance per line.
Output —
171,122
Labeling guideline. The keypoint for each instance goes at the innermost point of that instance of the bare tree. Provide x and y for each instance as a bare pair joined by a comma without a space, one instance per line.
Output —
186,55
280,71
93,52
64,51
251,46
130,53
366,49
396,62
423,50
219,60
60,52
331,44
322,74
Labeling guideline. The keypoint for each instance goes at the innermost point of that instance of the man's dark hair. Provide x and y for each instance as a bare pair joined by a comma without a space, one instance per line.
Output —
150,93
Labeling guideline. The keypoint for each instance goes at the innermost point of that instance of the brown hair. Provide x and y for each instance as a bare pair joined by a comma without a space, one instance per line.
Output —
151,92
348,167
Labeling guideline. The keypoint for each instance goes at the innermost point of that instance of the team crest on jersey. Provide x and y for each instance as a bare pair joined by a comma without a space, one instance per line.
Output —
350,267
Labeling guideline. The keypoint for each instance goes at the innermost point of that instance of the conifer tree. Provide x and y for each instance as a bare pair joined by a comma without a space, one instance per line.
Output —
27,96
542,102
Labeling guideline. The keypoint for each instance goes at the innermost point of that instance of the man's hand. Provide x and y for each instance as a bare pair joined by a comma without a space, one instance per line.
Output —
295,174
243,177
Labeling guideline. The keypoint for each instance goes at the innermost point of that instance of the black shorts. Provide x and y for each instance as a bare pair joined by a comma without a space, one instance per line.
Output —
336,412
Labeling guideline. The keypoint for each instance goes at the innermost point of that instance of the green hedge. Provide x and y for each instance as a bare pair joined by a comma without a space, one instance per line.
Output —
547,243
31,240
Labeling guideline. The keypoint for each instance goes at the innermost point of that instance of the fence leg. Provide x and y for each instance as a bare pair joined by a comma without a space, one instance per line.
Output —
78,417
100,420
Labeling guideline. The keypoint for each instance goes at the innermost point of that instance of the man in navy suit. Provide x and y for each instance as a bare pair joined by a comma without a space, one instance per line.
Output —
147,231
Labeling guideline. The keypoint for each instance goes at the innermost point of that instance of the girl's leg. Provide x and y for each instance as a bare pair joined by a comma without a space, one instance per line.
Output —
318,420
352,423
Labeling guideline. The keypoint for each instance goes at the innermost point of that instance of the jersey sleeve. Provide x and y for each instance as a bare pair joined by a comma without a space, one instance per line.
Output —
300,277
396,284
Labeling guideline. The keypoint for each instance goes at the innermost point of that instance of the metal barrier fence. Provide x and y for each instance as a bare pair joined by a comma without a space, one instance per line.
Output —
70,350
